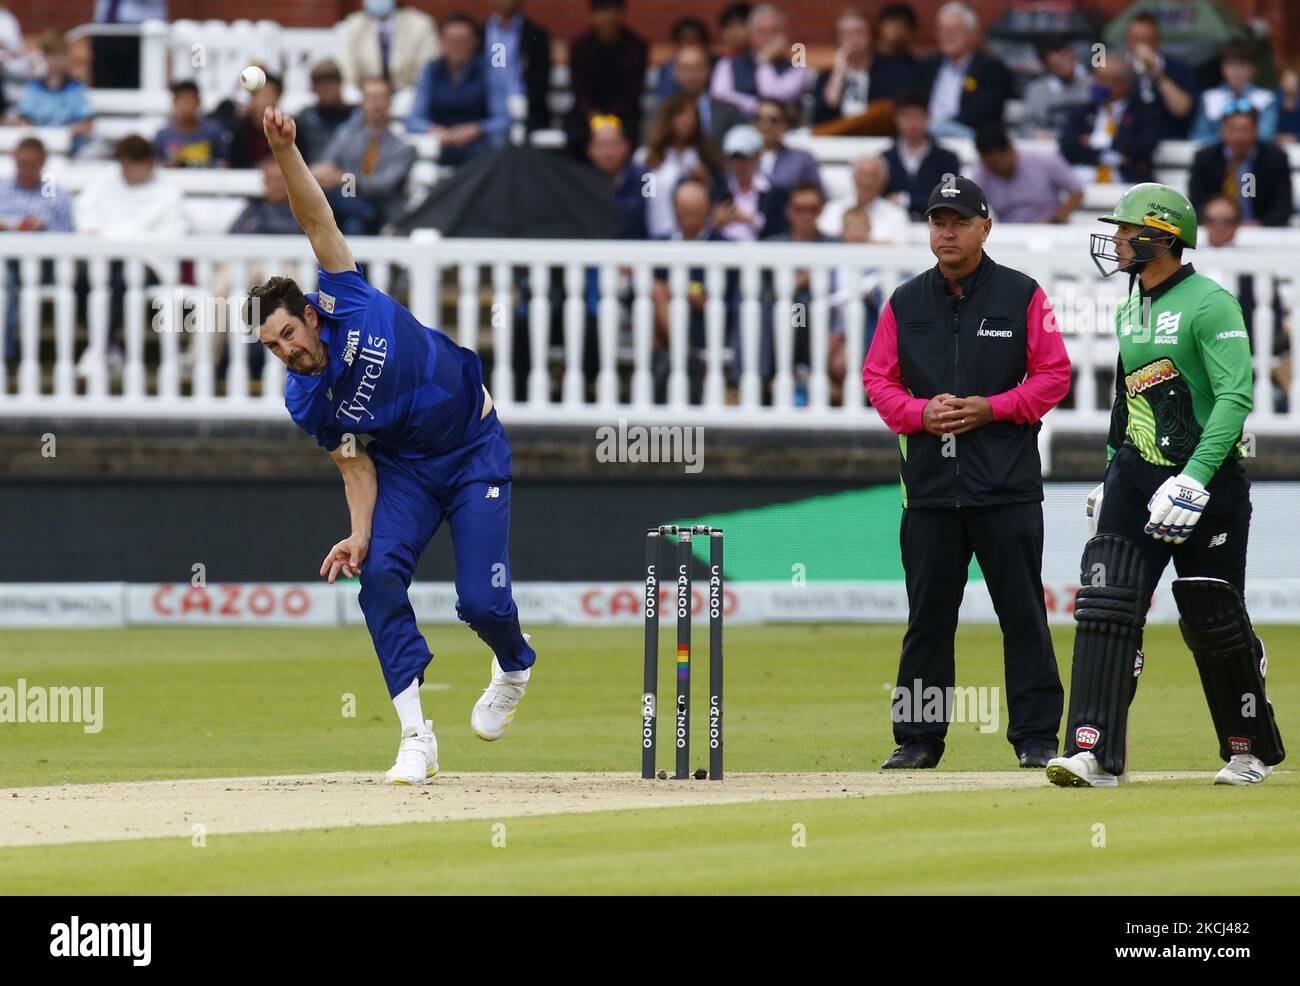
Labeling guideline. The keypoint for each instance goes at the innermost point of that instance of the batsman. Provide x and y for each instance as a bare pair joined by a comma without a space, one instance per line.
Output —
1174,488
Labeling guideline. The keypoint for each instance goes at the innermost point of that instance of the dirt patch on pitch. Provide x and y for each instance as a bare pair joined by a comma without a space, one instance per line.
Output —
32,816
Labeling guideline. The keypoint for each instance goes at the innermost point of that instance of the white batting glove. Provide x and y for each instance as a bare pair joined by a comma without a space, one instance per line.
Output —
1175,508
1093,509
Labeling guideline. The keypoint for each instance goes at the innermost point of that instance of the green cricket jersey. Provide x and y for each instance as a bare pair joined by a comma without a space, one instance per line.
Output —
1183,385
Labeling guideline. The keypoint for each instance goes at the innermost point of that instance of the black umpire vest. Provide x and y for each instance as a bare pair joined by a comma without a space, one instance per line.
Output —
968,345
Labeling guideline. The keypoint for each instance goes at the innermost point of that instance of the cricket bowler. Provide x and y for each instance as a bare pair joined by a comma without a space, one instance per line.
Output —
361,364
1174,488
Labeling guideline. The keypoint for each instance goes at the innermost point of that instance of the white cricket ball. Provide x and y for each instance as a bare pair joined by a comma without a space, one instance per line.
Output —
252,78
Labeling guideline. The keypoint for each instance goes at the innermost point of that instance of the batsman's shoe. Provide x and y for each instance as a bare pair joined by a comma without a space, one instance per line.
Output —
417,756
1243,768
1080,770
495,709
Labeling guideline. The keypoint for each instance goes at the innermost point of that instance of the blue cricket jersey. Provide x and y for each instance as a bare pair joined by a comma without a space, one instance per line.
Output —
407,385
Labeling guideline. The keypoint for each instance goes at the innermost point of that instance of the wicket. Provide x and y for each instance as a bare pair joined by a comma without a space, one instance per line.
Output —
650,681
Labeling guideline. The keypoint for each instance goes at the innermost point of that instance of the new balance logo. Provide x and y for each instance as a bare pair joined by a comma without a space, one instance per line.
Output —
1218,540
493,492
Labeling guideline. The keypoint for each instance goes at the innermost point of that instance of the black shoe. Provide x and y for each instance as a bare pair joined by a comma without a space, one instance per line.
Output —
1036,755
915,754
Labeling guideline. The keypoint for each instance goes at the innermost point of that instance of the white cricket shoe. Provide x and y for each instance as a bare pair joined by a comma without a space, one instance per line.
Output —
1080,770
1243,768
495,709
417,756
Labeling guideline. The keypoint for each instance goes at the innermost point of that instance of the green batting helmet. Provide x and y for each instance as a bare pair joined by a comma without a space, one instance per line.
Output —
1165,217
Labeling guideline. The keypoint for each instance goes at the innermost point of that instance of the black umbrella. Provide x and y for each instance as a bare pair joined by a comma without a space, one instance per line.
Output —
520,192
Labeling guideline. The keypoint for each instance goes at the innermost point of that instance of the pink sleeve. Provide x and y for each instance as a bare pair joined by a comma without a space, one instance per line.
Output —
1047,369
784,87
883,379
723,87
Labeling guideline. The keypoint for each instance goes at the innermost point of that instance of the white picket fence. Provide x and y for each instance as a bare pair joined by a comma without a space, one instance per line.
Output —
172,354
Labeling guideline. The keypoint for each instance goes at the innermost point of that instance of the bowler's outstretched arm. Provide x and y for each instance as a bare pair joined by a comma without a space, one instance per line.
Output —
306,198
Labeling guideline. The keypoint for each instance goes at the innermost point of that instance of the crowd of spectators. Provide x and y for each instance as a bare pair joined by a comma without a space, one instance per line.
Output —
703,154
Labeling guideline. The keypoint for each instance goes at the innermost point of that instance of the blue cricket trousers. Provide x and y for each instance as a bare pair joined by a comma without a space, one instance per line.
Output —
470,488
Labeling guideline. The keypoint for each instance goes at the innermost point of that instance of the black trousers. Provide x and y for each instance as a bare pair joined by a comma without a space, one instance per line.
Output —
1217,546
1007,540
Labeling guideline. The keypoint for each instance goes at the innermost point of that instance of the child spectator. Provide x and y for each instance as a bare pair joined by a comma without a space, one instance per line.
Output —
190,141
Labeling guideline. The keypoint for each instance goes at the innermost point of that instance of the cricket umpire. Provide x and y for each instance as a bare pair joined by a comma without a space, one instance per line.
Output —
965,361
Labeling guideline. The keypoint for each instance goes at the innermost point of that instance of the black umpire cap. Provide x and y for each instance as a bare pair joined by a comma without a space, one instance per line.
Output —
959,194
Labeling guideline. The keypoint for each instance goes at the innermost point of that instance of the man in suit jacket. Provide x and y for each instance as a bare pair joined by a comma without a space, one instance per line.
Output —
692,70
527,51
968,87
383,39
916,162
1241,163
1116,132
379,161
855,95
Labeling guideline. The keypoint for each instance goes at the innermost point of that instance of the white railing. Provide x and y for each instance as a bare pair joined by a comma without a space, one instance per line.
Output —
178,360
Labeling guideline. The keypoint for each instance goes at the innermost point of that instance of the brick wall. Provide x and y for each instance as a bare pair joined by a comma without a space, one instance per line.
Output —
812,19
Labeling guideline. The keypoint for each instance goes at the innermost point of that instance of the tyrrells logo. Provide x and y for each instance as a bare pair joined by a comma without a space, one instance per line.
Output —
101,940
1152,375
373,354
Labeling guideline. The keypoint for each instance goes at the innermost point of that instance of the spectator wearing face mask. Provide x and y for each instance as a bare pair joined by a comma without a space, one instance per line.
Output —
386,40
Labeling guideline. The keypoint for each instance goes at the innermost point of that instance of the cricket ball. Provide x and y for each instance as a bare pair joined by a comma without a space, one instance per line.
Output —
252,78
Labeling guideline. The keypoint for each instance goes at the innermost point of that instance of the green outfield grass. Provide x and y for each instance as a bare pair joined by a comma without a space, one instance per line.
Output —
222,702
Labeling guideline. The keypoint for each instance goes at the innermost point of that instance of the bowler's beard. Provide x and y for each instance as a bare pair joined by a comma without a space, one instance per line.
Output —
315,366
